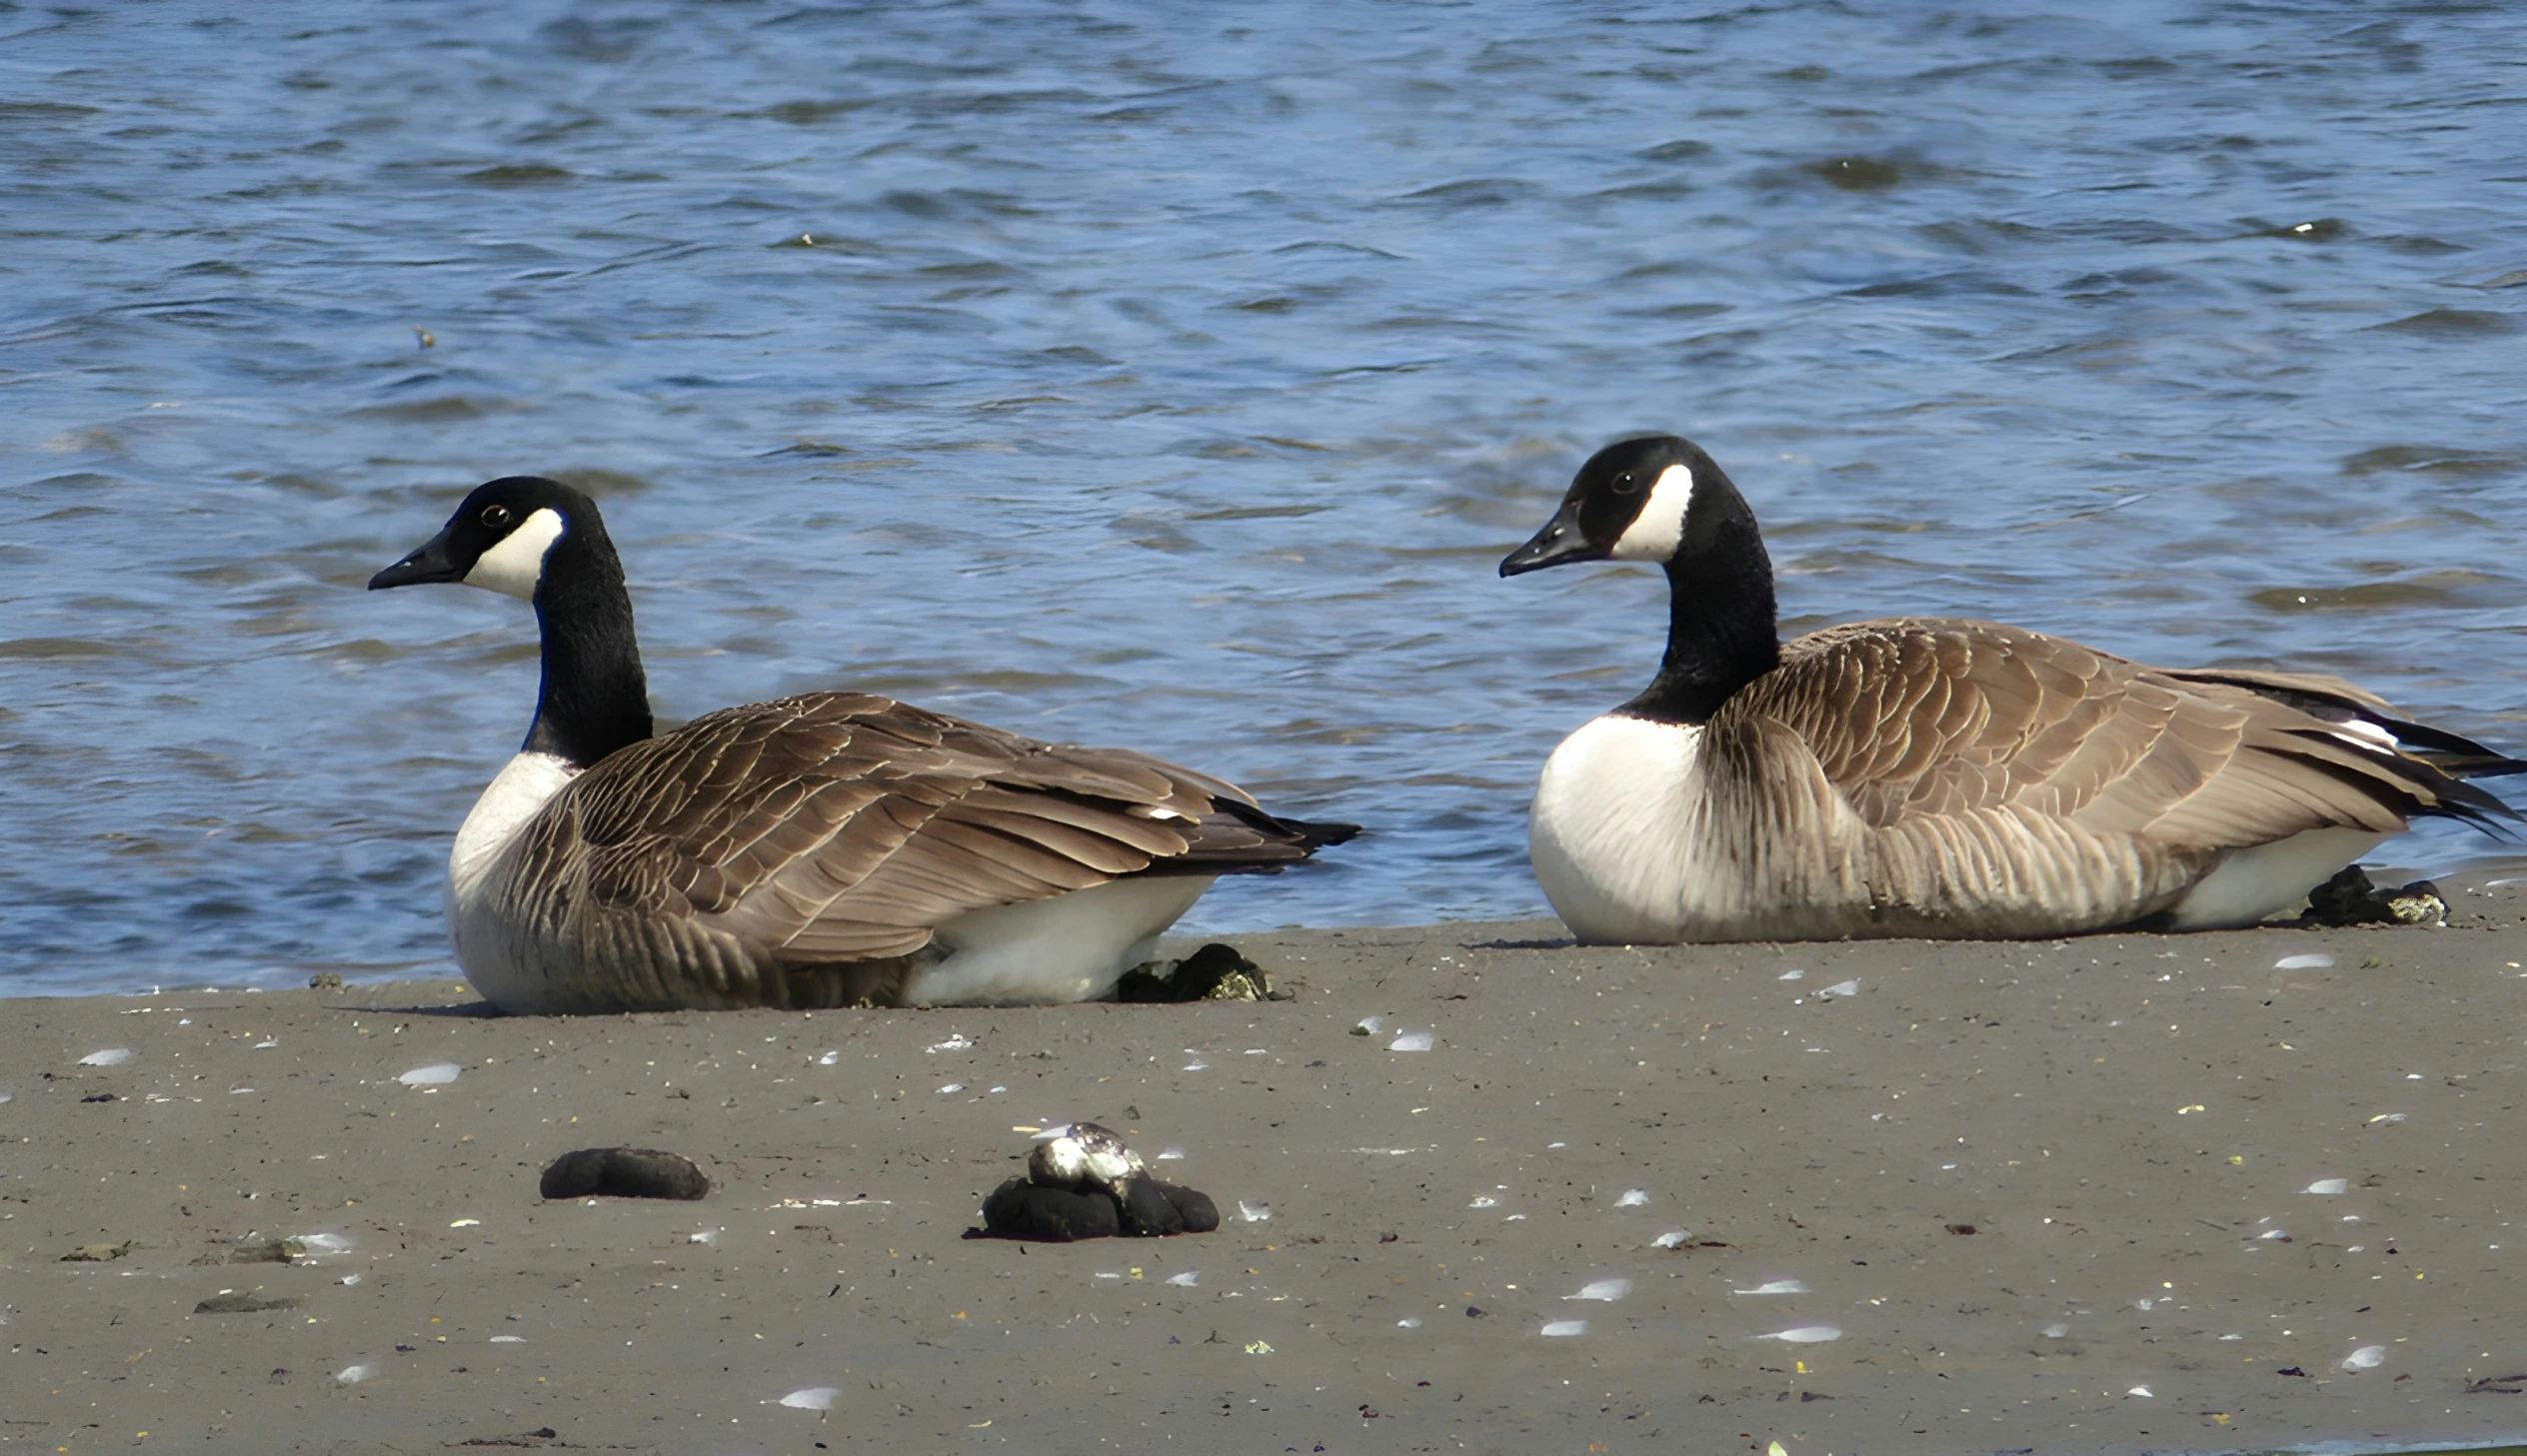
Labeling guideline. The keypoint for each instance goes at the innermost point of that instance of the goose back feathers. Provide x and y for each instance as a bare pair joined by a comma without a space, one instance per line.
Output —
828,849
1934,777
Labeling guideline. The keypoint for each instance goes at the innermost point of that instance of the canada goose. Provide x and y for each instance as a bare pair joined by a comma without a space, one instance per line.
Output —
831,848
1936,776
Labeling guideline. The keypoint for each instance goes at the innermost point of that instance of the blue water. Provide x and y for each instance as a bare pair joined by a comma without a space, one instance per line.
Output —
1172,375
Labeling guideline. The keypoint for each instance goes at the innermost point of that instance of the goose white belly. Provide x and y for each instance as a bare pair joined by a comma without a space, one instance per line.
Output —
1071,947
1621,836
2262,881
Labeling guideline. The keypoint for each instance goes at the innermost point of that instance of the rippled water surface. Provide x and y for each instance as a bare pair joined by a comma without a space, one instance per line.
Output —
1173,375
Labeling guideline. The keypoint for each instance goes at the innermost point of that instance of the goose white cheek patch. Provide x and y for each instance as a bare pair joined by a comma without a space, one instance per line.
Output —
1656,531
516,564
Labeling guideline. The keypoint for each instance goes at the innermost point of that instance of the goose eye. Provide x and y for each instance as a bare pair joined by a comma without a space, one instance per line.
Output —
1628,484
498,517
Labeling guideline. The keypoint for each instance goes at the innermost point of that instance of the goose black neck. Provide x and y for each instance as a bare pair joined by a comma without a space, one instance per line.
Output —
594,699
1722,633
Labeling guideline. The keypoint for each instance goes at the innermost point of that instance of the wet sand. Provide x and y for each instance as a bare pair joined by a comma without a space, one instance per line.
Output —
2025,1183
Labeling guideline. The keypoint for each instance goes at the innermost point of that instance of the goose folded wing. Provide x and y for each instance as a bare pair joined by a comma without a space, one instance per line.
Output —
846,826
1929,719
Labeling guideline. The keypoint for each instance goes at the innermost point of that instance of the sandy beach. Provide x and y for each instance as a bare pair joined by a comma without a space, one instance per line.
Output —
2215,1192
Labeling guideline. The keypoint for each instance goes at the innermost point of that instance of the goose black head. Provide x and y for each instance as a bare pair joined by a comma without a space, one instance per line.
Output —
1657,498
499,538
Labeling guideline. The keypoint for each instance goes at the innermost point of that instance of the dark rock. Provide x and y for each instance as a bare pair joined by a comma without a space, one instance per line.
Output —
1148,1209
1215,973
1154,1209
624,1172
2350,900
1021,1210
1200,1215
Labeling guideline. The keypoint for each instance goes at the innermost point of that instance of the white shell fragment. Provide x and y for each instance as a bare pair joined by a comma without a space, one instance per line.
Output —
2309,960
1409,1322
438,1073
1254,1210
318,1244
1806,1334
1791,976
354,1374
115,1056
2143,1391
1776,1286
1370,1025
957,1041
1562,1329
1170,1155
509,1339
1634,1198
2328,1186
1186,1280
1674,1238
1602,1289
1841,988
2367,1357
952,1087
1411,1041
815,1397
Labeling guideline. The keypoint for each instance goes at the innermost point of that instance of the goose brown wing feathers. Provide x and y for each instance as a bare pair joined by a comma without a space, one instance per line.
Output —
1919,720
836,825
